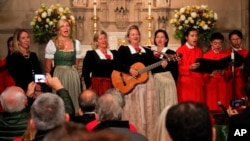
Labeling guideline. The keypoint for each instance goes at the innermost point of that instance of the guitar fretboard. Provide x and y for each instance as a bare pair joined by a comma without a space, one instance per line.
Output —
150,67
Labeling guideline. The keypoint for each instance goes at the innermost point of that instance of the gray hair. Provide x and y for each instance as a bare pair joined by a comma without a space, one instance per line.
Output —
47,111
108,108
13,99
118,94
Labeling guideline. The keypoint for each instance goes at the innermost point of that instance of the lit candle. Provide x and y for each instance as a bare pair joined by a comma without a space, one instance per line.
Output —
149,8
232,54
94,7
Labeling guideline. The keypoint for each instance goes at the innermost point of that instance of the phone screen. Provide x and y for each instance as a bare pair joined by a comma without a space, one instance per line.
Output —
237,103
40,78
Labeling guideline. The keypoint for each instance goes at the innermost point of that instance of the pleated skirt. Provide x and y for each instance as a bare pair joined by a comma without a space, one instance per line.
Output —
69,77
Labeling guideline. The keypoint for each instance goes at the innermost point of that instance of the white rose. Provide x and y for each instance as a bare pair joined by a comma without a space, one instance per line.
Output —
49,10
182,10
176,16
186,21
60,9
180,27
63,17
72,17
49,13
193,15
32,23
183,17
46,26
42,5
203,6
51,23
215,16
44,15
67,9
205,27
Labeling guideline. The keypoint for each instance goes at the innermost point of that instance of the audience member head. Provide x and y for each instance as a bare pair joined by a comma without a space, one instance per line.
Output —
133,35
235,38
190,36
69,131
108,108
47,112
13,99
216,41
189,121
100,39
10,45
21,40
118,95
88,101
76,132
161,34
160,132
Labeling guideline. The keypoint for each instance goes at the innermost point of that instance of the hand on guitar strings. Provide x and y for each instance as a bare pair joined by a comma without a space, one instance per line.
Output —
133,72
164,63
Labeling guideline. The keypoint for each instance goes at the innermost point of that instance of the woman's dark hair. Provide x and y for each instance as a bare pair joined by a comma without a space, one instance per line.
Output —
216,35
8,44
237,32
186,33
165,34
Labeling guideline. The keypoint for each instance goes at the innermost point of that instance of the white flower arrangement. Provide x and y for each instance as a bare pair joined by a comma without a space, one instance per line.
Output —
198,17
45,21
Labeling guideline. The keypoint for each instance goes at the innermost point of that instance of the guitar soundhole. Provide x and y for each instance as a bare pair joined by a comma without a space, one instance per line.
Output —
123,81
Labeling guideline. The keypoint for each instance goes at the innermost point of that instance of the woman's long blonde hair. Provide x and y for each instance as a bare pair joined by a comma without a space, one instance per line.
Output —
16,37
160,131
58,43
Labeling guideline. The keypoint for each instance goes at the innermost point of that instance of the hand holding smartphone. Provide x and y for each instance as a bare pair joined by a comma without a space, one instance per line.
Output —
40,78
237,103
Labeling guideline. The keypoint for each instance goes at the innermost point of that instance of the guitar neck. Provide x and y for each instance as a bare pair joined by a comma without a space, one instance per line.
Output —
150,67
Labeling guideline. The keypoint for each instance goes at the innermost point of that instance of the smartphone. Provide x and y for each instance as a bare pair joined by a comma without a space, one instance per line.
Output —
40,78
237,103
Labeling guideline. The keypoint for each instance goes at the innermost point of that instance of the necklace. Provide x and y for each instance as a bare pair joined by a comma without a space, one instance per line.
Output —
26,56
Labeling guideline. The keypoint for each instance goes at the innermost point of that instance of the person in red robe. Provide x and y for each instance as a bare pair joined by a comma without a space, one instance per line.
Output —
216,82
236,38
189,83
6,79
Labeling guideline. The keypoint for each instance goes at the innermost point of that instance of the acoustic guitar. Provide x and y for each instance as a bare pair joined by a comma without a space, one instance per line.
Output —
125,82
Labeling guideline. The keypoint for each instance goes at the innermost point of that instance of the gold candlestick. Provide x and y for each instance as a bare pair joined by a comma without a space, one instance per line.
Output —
95,19
149,42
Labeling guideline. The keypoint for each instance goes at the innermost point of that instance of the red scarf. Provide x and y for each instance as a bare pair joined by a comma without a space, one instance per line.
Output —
108,57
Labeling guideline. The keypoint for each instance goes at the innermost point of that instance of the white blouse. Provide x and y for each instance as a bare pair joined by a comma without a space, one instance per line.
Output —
50,49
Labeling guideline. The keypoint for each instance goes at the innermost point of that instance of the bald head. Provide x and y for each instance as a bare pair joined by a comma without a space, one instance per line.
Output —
13,99
87,101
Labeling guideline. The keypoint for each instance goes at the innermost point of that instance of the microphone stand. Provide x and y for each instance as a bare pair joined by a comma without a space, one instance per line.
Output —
233,73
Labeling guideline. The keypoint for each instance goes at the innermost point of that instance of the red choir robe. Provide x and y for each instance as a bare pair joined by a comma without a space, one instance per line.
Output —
238,73
216,84
6,79
189,83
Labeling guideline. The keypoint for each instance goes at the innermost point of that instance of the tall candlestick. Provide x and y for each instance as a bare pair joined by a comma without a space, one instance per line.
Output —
149,8
94,7
232,54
